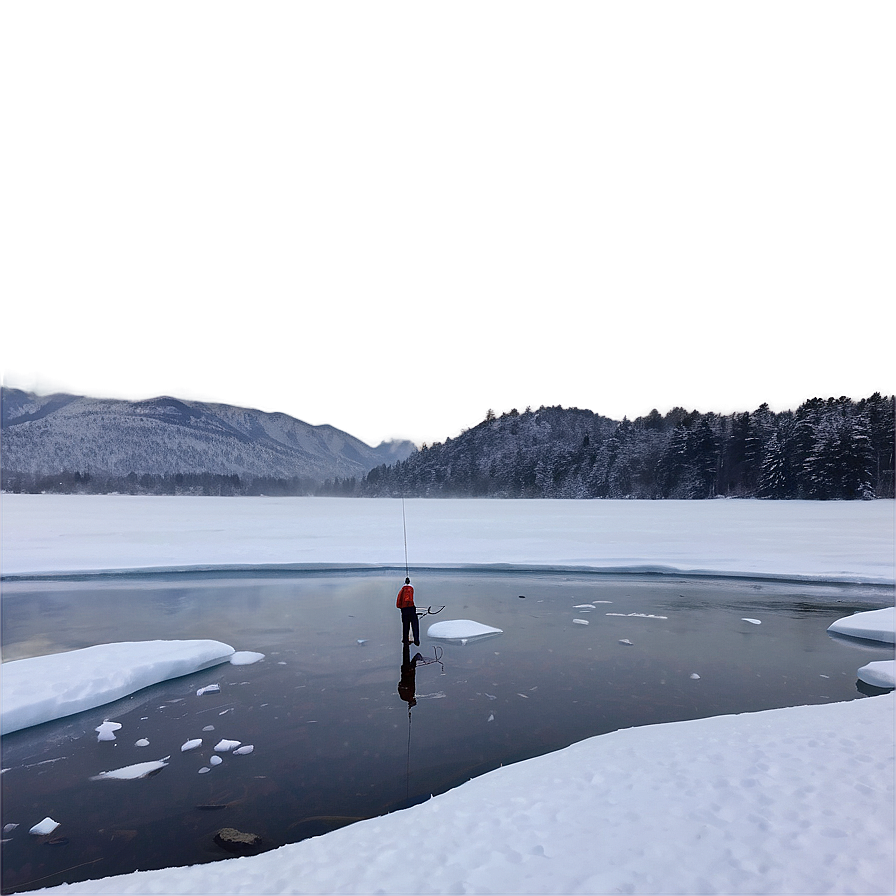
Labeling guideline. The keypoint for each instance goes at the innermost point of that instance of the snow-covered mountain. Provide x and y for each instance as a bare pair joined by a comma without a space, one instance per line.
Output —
166,436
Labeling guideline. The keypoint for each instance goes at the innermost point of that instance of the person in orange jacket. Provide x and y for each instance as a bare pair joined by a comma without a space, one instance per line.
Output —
409,620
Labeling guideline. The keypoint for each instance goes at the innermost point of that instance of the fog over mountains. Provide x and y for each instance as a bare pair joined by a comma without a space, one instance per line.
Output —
166,437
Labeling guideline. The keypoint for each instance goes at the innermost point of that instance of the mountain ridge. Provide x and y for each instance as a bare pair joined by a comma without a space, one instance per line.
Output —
168,436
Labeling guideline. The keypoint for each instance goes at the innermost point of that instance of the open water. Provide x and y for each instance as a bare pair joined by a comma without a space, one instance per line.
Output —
334,740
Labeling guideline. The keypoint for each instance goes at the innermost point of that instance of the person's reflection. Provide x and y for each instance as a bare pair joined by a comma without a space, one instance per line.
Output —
407,683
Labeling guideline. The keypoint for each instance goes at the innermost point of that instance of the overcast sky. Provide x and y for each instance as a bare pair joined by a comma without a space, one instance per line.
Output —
391,217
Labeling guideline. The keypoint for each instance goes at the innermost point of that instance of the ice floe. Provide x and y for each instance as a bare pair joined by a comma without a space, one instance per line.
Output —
194,744
133,772
873,625
225,746
107,730
245,658
47,826
751,621
881,674
43,688
461,630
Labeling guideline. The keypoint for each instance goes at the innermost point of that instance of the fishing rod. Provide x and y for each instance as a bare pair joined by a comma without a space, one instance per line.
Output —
404,524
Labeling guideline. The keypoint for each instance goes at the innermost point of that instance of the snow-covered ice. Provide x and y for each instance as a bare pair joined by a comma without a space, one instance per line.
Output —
42,688
461,630
785,801
880,674
873,625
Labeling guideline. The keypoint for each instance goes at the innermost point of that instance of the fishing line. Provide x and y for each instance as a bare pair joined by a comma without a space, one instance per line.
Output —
405,527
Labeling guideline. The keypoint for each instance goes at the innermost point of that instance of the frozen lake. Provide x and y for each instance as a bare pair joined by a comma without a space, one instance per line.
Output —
332,736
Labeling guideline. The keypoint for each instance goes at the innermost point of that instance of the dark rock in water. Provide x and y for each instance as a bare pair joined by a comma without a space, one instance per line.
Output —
238,841
522,597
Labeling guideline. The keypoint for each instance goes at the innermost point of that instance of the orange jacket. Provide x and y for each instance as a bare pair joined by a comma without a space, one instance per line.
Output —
405,597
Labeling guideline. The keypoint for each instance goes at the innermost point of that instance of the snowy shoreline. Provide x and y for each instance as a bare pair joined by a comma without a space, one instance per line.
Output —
783,801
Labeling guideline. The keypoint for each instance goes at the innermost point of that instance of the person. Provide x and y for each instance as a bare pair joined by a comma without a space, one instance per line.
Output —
409,620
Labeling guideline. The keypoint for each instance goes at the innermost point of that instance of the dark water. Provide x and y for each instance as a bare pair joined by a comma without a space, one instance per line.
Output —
334,741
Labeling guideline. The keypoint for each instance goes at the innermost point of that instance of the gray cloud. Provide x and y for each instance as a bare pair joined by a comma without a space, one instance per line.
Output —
391,216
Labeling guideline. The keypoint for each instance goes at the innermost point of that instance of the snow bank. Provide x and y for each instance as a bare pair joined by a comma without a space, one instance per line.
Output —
461,630
874,625
796,800
825,540
42,688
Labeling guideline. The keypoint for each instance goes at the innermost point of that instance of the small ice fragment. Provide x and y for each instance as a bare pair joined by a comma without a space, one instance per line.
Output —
522,695
7,828
225,746
695,676
825,676
751,621
243,751
47,826
626,642
204,770
245,658
362,641
105,731
191,745
215,760
225,711
583,607
143,742
208,689
133,772
580,621
209,728
491,717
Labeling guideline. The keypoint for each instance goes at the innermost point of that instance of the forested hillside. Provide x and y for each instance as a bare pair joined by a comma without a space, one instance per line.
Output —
833,448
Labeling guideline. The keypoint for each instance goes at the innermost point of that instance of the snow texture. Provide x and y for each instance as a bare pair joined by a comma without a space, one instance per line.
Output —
873,625
461,630
42,688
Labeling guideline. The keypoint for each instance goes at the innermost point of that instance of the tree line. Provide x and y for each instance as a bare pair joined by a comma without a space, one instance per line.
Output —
833,448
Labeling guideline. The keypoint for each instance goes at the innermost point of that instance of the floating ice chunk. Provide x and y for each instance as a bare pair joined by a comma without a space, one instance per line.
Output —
874,625
41,688
491,717
245,658
215,760
143,742
133,772
243,751
208,689
583,607
639,615
204,770
695,676
751,621
880,674
47,826
225,746
209,728
9,828
461,630
580,621
362,641
191,745
106,730
626,642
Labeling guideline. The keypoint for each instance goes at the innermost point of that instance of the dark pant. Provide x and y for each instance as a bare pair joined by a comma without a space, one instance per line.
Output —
409,621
